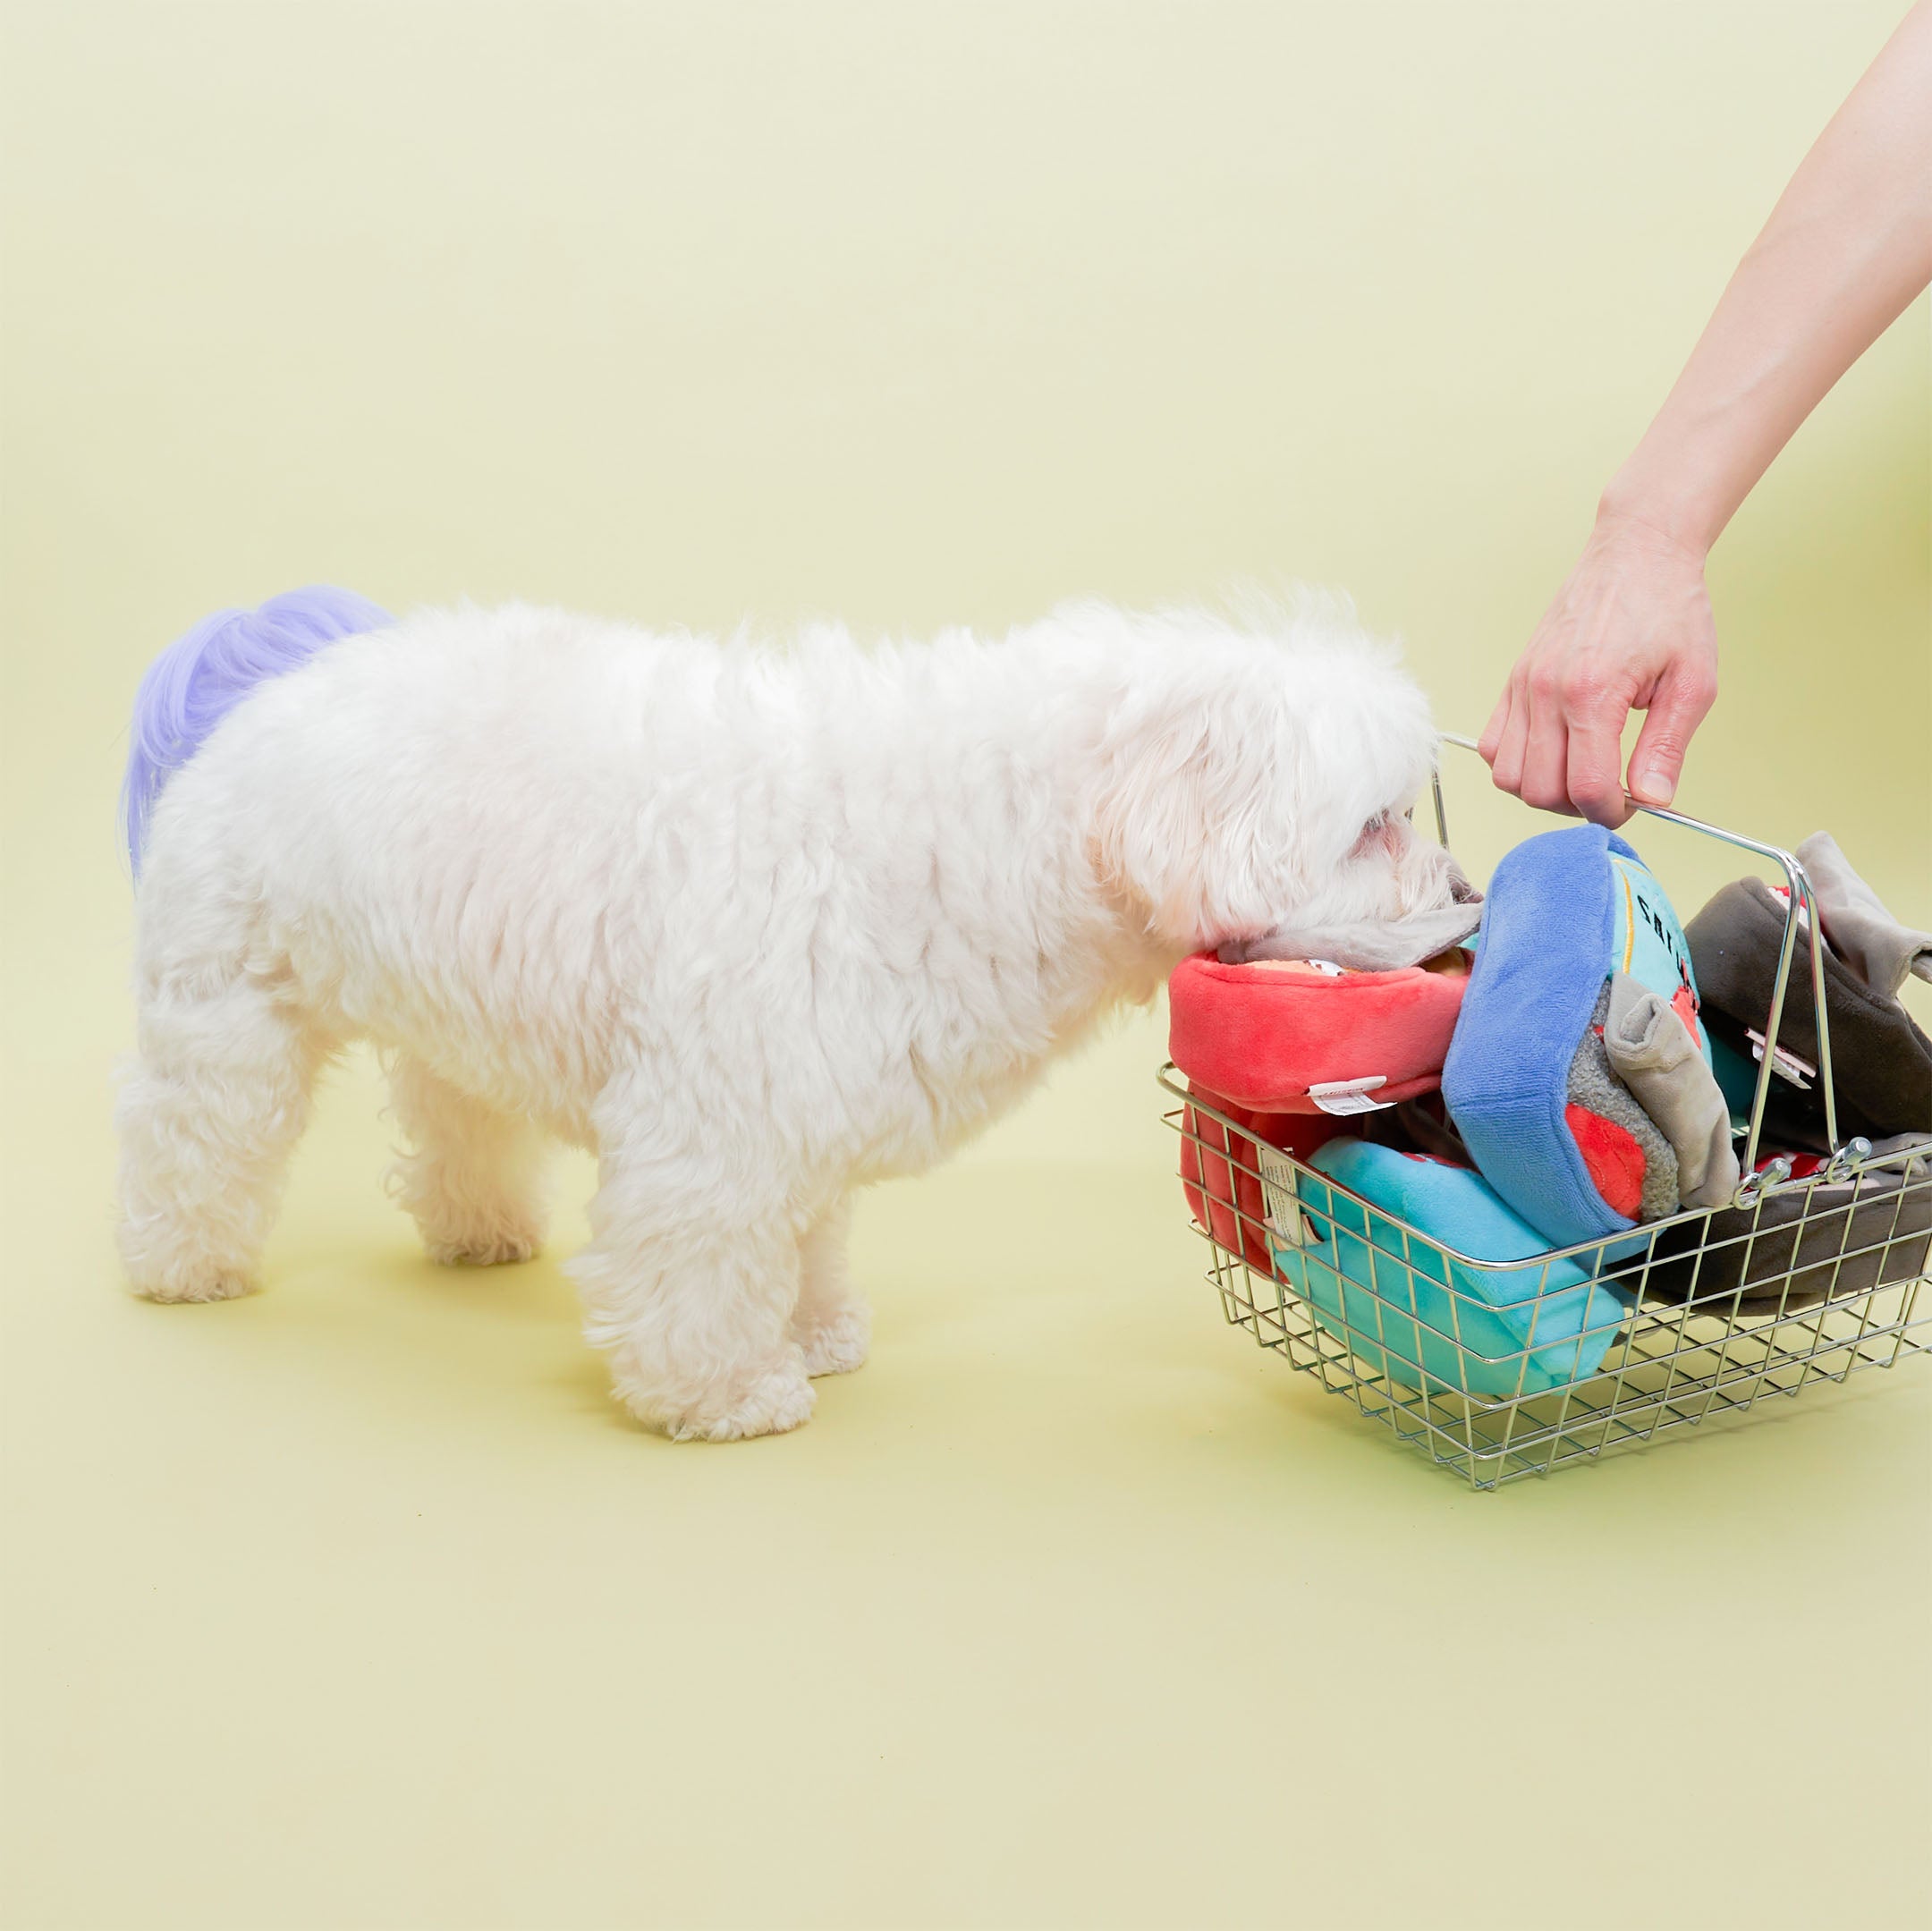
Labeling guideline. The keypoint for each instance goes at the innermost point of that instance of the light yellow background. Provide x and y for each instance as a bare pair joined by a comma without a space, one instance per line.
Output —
357,1603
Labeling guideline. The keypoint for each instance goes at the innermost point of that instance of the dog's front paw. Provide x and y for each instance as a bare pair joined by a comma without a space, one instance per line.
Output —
771,1403
838,1344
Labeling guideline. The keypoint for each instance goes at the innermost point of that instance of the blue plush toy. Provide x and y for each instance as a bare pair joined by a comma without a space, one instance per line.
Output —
1403,1308
1528,1078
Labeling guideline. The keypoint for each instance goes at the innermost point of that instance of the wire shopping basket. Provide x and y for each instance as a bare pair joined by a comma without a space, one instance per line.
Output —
1500,1370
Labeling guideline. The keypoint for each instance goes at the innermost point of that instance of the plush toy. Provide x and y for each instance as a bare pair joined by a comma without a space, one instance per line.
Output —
1574,922
1309,1037
1881,1061
1289,1049
1408,1311
1656,1056
1834,1239
1221,1176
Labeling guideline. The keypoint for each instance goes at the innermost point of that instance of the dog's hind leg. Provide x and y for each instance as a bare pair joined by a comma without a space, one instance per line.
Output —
831,1324
210,1109
689,1283
473,1179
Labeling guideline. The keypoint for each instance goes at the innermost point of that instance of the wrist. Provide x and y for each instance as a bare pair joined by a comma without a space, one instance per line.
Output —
1684,481
1678,522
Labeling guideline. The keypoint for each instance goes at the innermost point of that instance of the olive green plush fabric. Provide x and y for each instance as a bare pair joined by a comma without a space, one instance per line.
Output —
1651,1052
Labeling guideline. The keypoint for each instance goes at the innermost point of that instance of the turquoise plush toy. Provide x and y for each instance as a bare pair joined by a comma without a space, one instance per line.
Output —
1521,1330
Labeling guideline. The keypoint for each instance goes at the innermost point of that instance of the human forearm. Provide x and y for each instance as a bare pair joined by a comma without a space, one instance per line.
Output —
1848,244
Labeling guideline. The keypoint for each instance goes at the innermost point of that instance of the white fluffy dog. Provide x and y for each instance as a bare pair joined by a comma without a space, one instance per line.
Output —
756,926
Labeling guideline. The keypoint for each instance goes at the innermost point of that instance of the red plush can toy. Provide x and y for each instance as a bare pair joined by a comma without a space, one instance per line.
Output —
1289,1049
1301,1036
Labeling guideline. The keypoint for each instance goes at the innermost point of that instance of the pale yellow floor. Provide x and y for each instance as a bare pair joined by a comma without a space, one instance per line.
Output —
358,1604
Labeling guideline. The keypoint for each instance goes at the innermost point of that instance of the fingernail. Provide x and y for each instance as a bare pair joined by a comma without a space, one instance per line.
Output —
1655,788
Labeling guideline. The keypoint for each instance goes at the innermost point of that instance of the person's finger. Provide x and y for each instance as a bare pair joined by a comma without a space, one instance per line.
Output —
1506,769
1683,697
1545,764
1492,735
1595,776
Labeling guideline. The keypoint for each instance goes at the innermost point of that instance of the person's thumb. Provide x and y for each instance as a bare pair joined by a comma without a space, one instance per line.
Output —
1683,697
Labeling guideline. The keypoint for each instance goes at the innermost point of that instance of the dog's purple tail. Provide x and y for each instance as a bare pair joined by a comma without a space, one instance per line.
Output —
200,678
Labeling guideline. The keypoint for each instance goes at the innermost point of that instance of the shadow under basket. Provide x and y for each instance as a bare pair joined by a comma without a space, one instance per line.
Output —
1500,1370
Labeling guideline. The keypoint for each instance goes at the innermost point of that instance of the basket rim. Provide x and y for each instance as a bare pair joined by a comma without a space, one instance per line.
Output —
1171,1080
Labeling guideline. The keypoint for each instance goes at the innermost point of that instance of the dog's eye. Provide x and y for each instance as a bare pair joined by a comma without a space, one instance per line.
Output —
1374,833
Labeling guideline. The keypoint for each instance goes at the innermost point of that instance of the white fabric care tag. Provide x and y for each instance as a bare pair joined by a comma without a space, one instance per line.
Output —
1787,1066
1281,1202
1350,1096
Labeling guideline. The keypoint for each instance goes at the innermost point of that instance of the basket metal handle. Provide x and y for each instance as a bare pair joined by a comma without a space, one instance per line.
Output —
1799,913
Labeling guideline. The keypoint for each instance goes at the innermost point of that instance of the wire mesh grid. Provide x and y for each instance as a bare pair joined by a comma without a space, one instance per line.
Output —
1816,1279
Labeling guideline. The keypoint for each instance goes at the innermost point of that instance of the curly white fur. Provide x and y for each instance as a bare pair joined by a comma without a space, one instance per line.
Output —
756,926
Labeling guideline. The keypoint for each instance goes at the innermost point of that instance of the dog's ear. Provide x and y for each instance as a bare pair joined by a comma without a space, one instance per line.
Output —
1179,832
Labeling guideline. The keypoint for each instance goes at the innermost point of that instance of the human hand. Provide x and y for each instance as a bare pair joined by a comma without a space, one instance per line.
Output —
1631,630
